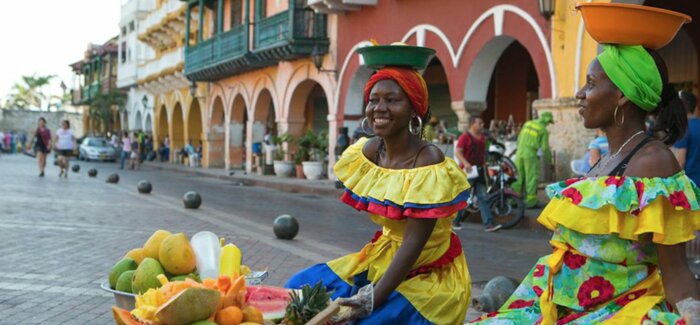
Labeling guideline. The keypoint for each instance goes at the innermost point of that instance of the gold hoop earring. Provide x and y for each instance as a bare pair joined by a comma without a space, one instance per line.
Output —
415,131
364,130
615,116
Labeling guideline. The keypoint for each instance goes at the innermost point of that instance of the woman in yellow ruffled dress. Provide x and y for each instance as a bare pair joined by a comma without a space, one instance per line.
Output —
413,271
619,232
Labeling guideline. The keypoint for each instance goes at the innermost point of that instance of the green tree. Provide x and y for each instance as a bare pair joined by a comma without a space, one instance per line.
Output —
103,104
29,93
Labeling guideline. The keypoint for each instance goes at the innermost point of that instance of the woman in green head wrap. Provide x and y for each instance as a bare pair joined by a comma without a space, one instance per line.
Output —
620,232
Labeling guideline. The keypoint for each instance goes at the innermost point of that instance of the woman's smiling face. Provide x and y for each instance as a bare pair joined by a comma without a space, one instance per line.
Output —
388,109
598,98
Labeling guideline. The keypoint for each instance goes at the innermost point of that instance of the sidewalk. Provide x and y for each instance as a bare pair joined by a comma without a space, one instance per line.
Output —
306,186
286,184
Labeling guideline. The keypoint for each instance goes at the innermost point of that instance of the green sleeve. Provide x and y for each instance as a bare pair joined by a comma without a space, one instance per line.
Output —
544,145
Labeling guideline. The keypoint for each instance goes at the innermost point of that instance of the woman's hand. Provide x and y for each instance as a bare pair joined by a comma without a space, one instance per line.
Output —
689,308
358,306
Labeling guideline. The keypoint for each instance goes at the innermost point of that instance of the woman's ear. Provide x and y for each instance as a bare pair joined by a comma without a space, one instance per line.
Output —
621,99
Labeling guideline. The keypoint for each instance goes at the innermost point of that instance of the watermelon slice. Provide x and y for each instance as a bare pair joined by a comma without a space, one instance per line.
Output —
272,301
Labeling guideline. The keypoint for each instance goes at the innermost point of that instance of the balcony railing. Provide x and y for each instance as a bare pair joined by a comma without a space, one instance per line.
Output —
275,30
218,54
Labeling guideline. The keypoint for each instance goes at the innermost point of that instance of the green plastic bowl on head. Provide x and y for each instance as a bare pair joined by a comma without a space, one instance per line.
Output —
379,56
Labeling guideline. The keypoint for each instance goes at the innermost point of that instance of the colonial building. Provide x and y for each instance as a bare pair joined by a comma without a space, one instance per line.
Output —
96,74
137,113
251,60
161,75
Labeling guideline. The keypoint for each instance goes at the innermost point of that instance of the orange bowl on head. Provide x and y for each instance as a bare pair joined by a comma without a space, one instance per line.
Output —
627,24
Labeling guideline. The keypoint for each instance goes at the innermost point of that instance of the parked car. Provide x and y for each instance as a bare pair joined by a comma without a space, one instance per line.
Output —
96,149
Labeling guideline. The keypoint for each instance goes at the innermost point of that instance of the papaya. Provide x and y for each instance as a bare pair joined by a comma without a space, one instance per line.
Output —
124,282
176,255
124,317
146,276
137,254
152,246
125,264
189,306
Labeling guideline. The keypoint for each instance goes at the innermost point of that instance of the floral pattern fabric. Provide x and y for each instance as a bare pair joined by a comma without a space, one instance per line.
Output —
592,278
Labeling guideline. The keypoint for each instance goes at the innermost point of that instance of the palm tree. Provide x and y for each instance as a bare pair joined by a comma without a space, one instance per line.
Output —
29,93
102,105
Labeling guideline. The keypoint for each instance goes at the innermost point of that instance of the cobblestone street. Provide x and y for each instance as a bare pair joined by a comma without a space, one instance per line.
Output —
61,236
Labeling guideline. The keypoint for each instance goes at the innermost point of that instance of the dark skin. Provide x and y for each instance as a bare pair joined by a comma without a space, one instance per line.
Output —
389,112
598,99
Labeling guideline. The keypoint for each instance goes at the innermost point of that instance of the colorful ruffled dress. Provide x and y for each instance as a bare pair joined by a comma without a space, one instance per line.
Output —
437,289
603,268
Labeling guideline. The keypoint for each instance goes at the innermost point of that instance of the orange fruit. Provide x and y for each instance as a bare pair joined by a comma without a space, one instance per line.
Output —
229,316
252,314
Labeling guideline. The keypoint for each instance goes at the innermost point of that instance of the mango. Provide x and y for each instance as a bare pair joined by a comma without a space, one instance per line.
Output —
137,254
192,276
125,264
152,246
204,322
124,282
146,276
176,255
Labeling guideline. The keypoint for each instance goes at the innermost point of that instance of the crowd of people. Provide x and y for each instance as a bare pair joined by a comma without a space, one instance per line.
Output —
12,141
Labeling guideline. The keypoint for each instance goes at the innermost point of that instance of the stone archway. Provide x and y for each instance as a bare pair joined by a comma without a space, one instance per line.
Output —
138,121
177,130
148,124
308,109
161,126
354,99
502,82
439,98
237,132
264,122
193,132
217,135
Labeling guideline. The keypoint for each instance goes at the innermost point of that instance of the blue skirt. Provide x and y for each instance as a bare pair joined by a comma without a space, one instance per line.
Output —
395,310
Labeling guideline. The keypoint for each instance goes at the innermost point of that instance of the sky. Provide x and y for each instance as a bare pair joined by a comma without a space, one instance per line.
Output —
45,36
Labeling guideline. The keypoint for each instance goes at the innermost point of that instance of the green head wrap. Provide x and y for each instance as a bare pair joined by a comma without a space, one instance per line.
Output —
632,69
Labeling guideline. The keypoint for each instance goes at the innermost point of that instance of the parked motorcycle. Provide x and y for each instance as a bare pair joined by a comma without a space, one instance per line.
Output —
507,206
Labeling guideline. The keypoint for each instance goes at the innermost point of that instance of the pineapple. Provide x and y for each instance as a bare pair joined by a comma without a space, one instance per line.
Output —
303,307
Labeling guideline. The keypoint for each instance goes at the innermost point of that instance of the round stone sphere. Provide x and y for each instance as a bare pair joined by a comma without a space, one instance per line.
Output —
144,187
192,200
75,168
285,227
113,178
92,172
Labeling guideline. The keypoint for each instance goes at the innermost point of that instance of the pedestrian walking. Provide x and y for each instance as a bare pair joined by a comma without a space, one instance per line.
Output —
687,149
135,162
618,234
471,153
126,149
413,271
532,140
65,144
42,144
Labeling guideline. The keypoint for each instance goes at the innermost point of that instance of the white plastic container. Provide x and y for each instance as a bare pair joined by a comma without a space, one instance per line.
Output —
207,250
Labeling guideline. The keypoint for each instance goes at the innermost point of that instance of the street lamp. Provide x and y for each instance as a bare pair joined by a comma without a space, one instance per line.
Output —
193,88
144,101
317,56
547,8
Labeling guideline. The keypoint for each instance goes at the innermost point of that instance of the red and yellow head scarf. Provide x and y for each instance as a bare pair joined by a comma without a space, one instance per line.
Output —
411,81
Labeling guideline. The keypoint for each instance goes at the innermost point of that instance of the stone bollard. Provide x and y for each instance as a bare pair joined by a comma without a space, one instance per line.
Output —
495,293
